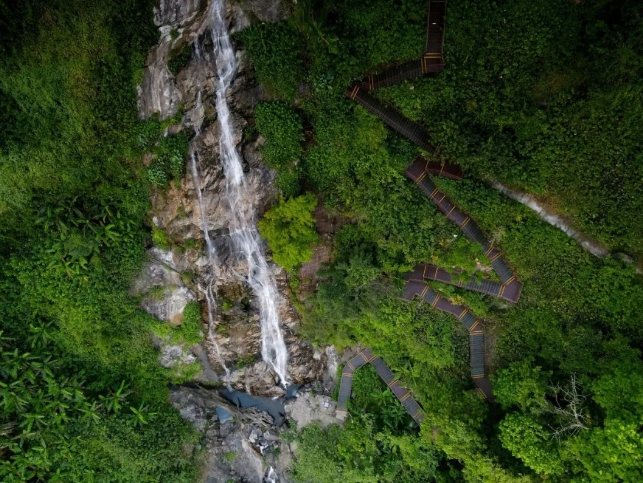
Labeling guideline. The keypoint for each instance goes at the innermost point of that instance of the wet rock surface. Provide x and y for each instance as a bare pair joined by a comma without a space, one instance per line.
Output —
246,448
169,305
184,269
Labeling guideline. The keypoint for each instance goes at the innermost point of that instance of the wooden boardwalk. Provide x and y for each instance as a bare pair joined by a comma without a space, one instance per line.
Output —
441,168
507,291
431,62
435,28
420,171
392,117
474,326
401,393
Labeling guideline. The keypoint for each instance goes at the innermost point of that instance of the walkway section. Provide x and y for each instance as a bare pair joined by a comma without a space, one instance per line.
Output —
401,393
431,62
398,73
418,174
414,288
441,168
392,117
435,28
507,291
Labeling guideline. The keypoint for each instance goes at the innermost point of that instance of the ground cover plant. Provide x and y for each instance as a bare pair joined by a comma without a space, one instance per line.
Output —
83,397
526,99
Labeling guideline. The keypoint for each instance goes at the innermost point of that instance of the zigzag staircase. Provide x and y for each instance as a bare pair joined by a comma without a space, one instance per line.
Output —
509,288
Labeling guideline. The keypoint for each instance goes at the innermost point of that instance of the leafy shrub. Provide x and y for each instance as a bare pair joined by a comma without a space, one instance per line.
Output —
529,441
187,277
169,161
274,51
282,129
160,238
179,60
289,229
191,329
522,384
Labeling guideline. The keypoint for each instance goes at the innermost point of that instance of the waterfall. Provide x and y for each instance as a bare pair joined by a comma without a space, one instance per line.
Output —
211,253
243,231
271,476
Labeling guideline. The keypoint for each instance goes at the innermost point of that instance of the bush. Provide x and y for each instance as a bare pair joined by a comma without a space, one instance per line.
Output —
179,60
289,229
169,162
160,238
274,51
190,330
282,129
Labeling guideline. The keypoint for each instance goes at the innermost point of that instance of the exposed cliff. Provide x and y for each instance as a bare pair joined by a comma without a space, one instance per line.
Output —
182,269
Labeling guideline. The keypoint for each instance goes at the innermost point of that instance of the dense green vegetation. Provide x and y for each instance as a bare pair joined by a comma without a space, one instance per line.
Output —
282,130
378,444
289,229
542,95
83,398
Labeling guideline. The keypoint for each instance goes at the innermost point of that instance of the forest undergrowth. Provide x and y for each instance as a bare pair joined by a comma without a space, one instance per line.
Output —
541,95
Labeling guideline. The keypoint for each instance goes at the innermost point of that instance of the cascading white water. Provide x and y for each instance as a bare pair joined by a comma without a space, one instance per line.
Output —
243,231
211,303
271,476
211,253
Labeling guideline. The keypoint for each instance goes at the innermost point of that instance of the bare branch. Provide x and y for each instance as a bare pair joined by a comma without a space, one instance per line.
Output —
569,408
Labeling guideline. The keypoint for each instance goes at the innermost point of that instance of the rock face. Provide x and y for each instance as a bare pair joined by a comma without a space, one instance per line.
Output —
165,295
266,10
243,448
175,277
236,450
311,408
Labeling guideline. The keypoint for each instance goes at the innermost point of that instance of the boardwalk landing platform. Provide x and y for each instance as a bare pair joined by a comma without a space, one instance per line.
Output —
507,291
401,393
427,64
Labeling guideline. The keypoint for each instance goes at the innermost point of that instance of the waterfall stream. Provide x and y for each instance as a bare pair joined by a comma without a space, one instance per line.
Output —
211,253
243,231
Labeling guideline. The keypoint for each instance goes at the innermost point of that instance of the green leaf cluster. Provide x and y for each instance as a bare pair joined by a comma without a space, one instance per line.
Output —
274,52
289,229
282,129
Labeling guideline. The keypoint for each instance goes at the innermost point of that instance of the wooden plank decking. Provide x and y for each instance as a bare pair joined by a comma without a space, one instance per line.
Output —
474,326
392,117
418,173
431,62
435,28
401,393
509,288
507,291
